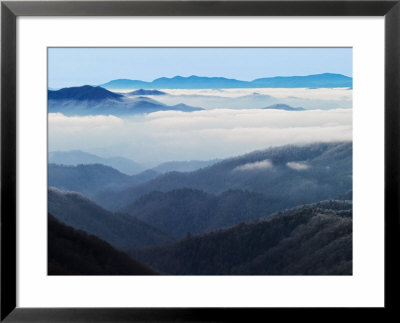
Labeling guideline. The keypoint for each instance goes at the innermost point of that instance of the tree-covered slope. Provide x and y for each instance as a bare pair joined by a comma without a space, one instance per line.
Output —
186,211
294,175
120,230
74,252
309,240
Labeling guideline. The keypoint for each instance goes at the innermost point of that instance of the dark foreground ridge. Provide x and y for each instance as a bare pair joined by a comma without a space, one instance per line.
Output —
309,240
73,252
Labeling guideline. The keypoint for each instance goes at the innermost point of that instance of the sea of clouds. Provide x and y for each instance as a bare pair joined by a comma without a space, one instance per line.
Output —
332,98
202,135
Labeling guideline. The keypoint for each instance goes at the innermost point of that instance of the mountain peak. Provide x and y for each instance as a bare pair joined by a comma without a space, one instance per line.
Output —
83,93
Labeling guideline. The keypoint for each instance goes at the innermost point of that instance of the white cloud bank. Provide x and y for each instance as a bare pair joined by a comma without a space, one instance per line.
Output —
260,98
209,134
259,165
305,93
298,165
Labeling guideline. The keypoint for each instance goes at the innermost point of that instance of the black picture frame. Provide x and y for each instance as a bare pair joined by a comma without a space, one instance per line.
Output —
10,10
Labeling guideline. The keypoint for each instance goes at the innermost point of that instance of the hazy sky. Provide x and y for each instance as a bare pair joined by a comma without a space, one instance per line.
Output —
95,66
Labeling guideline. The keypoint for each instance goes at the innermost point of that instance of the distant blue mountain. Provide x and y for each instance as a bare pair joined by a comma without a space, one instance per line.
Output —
77,157
197,82
146,92
326,80
93,178
89,100
83,93
280,106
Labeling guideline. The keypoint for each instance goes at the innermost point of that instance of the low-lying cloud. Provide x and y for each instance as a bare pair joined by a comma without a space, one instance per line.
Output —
259,165
200,135
298,165
325,98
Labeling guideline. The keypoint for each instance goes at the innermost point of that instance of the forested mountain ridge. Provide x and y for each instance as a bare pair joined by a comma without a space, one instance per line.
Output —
294,175
120,230
186,211
308,240
99,174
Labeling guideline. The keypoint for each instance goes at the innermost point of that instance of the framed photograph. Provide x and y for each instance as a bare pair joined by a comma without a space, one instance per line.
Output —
198,160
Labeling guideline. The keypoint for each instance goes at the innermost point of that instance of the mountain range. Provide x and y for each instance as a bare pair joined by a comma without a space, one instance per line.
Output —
124,165
89,174
293,175
120,230
325,80
314,239
281,211
89,100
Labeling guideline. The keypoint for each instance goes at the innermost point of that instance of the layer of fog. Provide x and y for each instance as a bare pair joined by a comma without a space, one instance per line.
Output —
298,165
264,164
201,135
259,98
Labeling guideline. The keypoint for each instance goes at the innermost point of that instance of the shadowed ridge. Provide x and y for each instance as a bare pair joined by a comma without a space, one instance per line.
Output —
73,252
